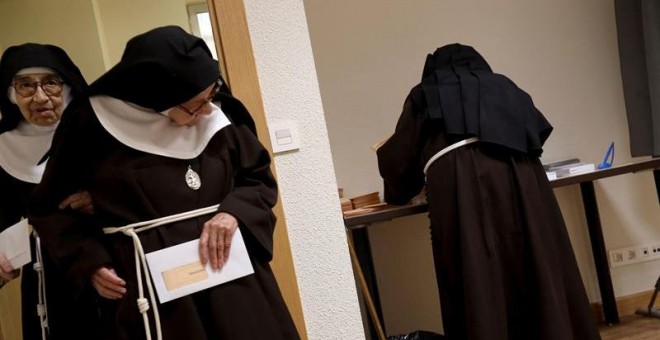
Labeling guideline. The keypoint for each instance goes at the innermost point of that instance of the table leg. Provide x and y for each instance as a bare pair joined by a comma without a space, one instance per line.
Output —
362,249
599,253
656,175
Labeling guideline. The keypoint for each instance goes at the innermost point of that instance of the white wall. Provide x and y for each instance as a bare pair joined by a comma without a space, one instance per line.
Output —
290,91
52,22
93,33
120,20
564,53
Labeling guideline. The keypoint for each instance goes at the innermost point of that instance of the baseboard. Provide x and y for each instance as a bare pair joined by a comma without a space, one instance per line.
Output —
625,304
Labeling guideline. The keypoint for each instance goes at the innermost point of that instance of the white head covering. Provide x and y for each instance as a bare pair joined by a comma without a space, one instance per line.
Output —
22,148
141,129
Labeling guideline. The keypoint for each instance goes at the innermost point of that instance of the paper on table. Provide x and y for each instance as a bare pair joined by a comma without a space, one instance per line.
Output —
176,271
15,243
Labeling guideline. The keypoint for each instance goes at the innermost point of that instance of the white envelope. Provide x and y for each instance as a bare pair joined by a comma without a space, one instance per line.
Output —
176,271
15,243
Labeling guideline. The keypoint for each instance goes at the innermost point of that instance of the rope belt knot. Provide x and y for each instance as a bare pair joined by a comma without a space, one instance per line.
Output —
143,305
42,309
132,231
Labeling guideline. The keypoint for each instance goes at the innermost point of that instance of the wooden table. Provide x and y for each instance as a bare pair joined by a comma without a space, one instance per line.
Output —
357,227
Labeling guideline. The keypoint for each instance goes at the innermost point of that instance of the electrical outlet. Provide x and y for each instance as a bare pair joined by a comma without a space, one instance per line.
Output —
630,255
616,258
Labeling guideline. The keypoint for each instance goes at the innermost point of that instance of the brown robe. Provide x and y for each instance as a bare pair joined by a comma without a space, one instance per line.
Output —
63,305
129,186
504,263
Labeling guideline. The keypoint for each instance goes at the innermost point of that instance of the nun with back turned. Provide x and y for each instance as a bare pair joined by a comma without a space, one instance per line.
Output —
38,83
504,263
163,136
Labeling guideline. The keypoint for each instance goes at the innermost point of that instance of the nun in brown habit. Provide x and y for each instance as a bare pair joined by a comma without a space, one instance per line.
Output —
37,83
160,135
504,263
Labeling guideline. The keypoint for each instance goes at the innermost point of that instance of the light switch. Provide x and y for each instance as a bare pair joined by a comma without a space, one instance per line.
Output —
284,136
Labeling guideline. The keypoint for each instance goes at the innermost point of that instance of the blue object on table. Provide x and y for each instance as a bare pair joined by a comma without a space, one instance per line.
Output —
609,155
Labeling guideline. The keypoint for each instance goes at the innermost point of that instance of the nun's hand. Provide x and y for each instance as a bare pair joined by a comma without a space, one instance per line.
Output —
7,271
215,241
108,284
81,200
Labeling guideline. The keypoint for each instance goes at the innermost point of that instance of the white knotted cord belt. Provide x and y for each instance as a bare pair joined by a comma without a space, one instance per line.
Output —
141,263
38,267
448,149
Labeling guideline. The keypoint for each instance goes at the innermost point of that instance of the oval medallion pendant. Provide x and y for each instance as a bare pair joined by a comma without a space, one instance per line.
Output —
192,179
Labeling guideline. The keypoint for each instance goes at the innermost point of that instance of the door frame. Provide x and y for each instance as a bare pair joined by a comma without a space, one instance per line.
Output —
239,69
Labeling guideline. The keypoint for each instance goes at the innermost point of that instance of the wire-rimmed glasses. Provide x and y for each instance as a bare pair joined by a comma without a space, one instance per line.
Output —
216,89
27,88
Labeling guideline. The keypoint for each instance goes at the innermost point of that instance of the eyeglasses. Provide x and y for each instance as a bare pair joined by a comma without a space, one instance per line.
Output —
216,89
52,87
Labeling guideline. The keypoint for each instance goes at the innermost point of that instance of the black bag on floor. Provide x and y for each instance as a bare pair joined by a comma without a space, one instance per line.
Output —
417,335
